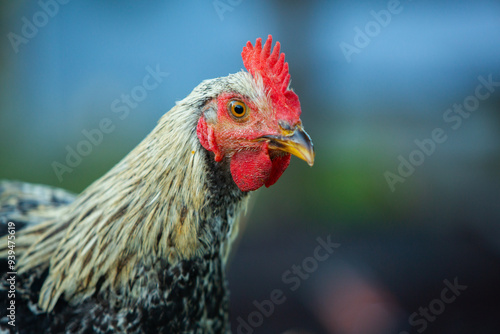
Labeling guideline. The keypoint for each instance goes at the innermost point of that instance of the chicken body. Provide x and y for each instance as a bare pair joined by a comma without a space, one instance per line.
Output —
144,248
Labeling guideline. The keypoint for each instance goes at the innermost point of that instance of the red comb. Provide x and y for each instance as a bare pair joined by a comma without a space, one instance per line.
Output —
274,72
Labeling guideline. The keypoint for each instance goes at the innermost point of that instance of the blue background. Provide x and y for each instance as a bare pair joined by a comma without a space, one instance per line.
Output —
396,247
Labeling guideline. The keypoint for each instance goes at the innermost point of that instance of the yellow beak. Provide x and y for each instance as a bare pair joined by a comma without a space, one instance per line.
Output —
297,143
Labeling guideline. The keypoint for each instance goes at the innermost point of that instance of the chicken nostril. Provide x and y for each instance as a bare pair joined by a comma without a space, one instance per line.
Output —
288,129
284,125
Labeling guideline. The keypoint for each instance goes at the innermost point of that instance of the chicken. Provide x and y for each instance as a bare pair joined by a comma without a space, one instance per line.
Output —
144,248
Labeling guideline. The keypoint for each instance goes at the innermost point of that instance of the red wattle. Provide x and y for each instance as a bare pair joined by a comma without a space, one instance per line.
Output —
251,169
280,163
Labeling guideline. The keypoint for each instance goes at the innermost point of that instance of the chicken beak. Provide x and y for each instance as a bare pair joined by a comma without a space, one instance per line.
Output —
297,143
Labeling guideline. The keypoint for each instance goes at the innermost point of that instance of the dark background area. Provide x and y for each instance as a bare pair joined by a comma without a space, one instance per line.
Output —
399,246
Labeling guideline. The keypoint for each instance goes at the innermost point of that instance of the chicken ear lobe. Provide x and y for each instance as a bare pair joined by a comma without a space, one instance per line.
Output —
206,136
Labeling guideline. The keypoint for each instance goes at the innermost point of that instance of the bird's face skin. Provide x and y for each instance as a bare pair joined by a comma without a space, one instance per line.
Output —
255,120
258,144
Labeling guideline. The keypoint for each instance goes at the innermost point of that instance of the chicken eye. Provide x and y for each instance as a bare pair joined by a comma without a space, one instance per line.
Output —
238,109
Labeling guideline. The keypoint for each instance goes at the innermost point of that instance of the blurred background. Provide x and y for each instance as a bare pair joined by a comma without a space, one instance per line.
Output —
413,226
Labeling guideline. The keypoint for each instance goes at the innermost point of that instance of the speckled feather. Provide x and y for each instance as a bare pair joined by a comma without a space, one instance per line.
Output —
144,248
